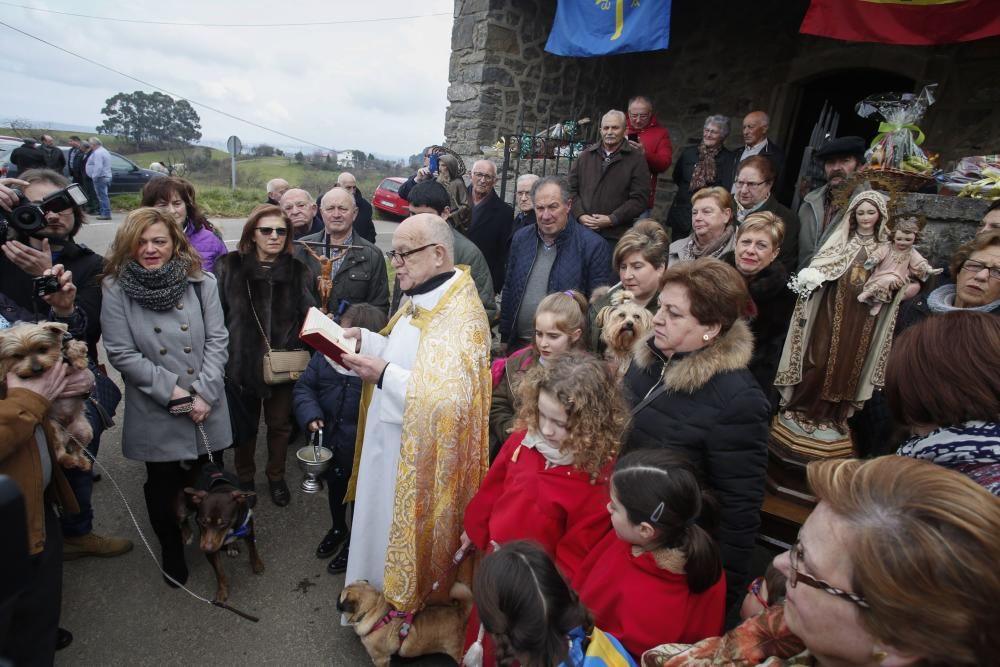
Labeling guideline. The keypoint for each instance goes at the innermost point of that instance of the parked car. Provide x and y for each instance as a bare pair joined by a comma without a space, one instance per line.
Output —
386,197
7,146
126,176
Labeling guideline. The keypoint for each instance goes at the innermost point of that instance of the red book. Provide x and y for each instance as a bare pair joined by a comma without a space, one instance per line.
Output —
321,333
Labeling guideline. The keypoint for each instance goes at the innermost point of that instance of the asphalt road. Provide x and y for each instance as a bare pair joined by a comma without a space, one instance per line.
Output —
122,613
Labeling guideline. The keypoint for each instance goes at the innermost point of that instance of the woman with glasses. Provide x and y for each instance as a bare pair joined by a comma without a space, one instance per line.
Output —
265,294
176,197
895,566
752,190
701,166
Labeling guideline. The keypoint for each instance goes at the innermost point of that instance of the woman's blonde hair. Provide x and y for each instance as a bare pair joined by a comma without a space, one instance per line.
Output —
569,310
596,414
646,236
126,241
924,544
719,194
766,222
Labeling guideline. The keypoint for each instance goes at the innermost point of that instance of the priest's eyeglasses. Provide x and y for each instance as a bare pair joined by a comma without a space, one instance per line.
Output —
796,577
396,256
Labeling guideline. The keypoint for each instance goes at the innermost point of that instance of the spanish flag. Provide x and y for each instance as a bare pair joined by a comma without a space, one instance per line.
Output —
912,22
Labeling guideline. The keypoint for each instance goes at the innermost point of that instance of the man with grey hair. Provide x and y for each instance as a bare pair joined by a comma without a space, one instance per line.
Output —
524,209
492,219
355,265
704,165
609,182
298,205
553,255
99,170
756,142
425,409
275,188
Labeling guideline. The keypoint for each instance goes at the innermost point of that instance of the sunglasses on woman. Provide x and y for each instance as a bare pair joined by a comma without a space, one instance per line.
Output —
268,231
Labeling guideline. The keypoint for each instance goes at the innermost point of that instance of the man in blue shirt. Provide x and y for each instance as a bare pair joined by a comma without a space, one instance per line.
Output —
99,170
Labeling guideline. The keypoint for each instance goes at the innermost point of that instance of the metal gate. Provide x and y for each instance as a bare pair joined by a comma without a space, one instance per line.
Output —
546,150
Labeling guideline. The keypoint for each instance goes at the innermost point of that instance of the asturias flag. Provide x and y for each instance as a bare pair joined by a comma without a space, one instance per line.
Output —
913,22
586,28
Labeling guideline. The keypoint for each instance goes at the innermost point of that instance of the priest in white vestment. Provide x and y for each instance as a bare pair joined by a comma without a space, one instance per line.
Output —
422,439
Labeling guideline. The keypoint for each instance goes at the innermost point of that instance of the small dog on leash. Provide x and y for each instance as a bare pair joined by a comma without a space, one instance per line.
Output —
28,350
622,322
436,628
224,514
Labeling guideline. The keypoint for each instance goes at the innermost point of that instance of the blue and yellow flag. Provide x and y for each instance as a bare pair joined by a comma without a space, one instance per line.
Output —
586,28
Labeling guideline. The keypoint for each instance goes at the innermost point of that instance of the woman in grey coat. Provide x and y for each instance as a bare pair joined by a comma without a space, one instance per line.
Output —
164,331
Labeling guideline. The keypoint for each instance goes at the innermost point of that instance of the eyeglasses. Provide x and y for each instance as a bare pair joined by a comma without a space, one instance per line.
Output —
972,266
796,577
268,231
397,256
754,590
749,184
482,177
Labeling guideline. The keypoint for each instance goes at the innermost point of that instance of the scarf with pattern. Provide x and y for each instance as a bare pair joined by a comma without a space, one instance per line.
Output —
155,289
704,170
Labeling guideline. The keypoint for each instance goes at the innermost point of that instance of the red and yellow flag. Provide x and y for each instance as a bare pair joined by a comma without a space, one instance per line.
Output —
913,22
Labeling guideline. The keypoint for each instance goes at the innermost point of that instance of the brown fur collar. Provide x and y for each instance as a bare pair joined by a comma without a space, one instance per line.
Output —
671,560
690,372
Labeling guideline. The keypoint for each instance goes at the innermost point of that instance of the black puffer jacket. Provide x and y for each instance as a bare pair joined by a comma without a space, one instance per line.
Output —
714,412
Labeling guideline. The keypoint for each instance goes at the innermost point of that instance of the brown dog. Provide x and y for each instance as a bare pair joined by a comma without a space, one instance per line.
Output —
30,349
436,628
224,515
622,323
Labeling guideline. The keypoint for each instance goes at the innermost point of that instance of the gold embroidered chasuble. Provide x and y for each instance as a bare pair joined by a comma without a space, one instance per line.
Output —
444,443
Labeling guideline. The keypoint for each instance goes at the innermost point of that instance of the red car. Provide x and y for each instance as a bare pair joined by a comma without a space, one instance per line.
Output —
387,199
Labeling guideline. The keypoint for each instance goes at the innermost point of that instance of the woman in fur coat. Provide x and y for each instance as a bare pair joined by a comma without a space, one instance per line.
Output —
691,391
265,294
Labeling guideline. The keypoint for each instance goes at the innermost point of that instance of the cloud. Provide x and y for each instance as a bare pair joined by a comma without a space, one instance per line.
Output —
380,86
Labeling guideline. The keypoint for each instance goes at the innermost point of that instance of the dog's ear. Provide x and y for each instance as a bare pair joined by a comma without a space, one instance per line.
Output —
242,496
56,328
602,315
196,495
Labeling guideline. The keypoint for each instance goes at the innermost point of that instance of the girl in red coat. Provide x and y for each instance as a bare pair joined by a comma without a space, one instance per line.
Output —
549,482
657,578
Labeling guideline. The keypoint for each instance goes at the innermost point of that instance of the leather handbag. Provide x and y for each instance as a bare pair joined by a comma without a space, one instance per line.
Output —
279,366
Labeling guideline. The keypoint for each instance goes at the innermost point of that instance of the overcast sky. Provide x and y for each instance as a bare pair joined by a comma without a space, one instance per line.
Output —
379,86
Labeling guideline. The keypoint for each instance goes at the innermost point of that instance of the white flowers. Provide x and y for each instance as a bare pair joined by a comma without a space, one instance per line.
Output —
805,281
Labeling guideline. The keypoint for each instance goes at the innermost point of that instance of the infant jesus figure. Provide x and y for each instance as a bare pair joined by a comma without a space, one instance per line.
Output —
895,262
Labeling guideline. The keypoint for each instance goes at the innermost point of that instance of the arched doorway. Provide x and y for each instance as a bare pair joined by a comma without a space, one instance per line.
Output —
842,89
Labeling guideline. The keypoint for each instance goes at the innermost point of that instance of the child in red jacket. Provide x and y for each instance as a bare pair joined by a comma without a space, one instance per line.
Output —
657,578
549,482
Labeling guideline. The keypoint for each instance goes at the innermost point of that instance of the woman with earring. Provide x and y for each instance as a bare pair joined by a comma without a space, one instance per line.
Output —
691,391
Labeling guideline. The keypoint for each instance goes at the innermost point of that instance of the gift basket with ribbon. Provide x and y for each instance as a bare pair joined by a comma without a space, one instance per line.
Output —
895,160
976,176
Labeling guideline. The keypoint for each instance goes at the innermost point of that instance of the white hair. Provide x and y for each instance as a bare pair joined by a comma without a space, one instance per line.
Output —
337,188
527,177
95,140
436,230
614,112
274,183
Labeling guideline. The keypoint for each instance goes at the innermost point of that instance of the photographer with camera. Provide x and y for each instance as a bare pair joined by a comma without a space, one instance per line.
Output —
43,268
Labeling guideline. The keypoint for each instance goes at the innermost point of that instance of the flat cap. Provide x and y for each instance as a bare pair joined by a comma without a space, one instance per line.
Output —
841,146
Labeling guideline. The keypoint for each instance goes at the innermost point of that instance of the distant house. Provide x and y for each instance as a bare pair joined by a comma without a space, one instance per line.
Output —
345,159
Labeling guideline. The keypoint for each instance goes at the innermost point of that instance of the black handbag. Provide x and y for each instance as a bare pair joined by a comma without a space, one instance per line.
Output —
104,397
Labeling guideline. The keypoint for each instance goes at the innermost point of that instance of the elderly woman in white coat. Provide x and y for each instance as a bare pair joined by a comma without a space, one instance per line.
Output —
164,331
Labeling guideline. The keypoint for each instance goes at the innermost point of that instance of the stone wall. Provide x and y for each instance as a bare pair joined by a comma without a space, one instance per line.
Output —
749,57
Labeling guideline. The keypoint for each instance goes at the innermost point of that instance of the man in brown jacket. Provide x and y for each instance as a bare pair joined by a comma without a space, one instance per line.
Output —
29,622
610,180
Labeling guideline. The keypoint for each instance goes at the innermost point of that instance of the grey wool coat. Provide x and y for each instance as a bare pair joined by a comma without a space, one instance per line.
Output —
154,351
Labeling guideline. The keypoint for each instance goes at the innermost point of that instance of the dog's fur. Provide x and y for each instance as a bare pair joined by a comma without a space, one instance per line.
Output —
218,508
622,323
28,350
436,628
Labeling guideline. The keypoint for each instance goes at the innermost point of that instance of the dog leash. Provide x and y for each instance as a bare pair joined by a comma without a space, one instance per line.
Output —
142,536
407,616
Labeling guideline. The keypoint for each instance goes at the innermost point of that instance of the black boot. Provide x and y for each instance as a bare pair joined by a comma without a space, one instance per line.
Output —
158,505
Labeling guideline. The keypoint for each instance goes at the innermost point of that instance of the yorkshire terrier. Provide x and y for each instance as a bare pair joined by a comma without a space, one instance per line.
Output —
29,350
622,323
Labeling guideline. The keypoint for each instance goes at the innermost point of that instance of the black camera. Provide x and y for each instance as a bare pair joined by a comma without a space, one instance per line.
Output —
45,285
27,218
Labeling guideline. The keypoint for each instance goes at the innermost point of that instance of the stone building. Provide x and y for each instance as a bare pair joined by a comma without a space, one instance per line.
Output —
723,58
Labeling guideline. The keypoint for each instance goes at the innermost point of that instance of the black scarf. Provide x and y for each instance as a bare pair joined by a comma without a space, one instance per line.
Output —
155,289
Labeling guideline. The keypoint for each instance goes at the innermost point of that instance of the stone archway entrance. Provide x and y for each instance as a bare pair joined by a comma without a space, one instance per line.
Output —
842,89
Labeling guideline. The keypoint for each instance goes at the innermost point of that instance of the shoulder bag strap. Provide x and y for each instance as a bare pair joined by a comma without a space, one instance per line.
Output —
253,310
